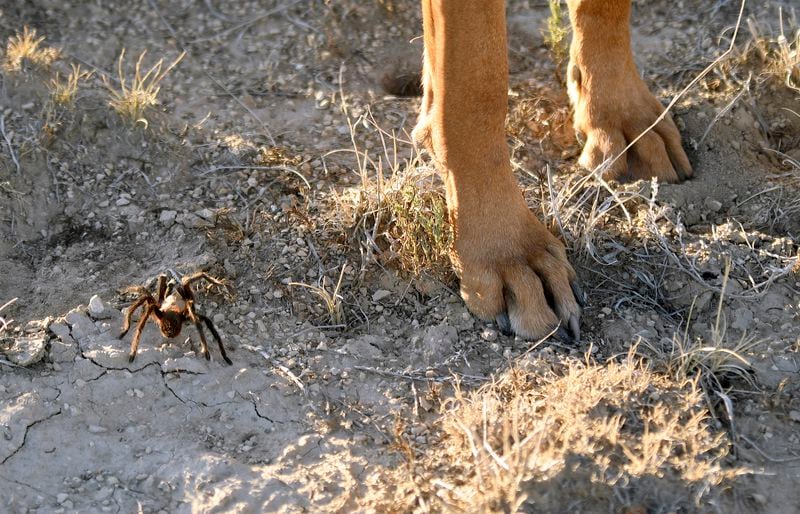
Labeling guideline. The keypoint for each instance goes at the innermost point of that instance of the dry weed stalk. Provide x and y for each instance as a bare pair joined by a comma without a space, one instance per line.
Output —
63,92
332,300
135,97
27,48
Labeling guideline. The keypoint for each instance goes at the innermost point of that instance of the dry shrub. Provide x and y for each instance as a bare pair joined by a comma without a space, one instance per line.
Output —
555,37
570,437
131,99
26,48
398,211
404,218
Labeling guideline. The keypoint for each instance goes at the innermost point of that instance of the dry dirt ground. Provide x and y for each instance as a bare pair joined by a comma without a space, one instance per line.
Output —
381,393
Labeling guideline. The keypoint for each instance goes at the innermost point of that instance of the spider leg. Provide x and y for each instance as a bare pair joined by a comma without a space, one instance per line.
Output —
194,277
216,336
137,334
126,325
162,288
203,343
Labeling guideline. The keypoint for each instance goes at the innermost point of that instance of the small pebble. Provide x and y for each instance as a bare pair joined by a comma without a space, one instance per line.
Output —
380,294
96,306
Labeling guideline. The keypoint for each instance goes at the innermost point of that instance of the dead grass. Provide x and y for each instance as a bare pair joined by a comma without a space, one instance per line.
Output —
778,49
132,98
714,361
398,211
606,437
63,91
331,297
27,49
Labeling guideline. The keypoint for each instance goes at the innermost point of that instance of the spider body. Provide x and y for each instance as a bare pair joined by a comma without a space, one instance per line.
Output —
173,306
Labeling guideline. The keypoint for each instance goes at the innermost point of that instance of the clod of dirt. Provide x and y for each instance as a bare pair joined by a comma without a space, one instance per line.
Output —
26,351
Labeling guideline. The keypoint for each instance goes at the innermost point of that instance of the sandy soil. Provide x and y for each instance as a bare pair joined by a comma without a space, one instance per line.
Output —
304,420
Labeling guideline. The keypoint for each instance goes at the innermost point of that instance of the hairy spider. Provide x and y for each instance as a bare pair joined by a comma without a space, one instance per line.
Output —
173,307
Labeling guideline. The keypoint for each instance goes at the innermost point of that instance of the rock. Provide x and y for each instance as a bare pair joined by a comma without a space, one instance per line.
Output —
97,429
62,497
188,364
794,415
80,324
742,318
206,214
489,334
122,201
380,294
363,348
167,218
96,306
27,350
438,343
712,204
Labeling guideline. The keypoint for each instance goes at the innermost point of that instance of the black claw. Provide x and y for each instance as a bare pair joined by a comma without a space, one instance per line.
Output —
563,334
131,357
575,327
577,292
504,324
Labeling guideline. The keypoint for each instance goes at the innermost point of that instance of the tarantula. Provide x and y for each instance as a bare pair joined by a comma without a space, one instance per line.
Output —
174,306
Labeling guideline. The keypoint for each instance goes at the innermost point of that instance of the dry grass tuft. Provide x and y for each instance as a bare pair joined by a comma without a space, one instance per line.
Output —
780,53
398,211
132,99
26,48
64,91
332,300
606,437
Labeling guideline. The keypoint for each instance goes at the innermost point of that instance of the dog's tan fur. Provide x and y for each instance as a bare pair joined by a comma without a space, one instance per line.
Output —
511,268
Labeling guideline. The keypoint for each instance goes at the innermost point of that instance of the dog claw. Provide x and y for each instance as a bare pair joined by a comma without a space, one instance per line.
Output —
563,334
577,292
575,327
504,324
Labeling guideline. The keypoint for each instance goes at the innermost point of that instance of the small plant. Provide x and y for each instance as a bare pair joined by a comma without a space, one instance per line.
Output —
27,48
132,99
780,53
331,299
555,37
400,215
63,91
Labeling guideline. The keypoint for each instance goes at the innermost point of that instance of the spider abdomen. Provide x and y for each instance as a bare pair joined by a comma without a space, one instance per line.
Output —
170,323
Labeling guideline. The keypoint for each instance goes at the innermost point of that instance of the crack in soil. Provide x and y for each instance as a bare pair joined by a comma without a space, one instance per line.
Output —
27,429
262,416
